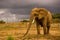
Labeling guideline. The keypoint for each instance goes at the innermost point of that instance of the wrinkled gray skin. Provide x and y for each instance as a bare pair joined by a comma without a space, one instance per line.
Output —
42,17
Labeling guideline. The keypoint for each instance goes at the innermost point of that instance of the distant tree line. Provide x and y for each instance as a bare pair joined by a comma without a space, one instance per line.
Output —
2,22
56,16
25,20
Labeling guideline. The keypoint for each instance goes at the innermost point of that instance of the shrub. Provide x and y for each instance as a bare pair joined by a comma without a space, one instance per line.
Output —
56,16
1,21
25,21
10,37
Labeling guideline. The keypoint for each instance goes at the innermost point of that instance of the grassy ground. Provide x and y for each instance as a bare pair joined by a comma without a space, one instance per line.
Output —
15,31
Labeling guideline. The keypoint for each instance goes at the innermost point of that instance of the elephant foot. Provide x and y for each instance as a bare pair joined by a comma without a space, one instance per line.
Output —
38,33
46,34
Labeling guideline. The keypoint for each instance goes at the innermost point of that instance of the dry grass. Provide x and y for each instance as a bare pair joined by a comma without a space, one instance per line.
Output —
18,29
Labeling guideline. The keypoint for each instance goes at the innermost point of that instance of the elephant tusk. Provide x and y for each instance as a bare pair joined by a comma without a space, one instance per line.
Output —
33,21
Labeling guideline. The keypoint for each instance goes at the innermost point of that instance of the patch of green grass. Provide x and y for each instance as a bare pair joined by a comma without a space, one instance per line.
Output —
10,37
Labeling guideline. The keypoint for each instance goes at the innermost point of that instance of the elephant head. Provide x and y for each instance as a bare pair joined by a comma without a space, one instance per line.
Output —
37,13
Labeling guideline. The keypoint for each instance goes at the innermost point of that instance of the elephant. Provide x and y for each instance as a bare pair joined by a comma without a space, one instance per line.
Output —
40,16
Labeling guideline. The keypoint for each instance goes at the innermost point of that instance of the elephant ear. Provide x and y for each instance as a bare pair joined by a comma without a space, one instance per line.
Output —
32,16
49,16
45,11
35,9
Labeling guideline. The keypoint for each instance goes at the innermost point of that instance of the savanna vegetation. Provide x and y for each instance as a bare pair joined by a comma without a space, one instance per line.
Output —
14,31
56,18
2,22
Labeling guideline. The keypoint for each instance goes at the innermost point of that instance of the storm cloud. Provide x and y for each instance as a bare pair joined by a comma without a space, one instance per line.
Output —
26,3
23,7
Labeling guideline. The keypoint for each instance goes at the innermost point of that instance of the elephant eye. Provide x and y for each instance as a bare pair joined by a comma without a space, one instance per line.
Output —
35,14
36,11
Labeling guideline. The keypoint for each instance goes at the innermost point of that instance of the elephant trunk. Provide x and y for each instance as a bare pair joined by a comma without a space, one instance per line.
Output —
29,25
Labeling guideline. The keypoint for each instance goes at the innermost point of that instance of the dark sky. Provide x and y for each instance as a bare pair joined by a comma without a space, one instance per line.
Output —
25,6
15,10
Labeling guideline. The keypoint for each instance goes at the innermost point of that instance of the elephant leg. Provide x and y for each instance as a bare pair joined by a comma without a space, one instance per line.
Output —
44,29
38,28
45,26
48,28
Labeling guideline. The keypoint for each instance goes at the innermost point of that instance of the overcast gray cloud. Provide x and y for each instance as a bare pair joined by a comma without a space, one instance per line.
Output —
22,8
25,6
26,3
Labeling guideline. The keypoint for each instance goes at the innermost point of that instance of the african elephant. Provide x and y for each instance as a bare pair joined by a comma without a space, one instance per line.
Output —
42,17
